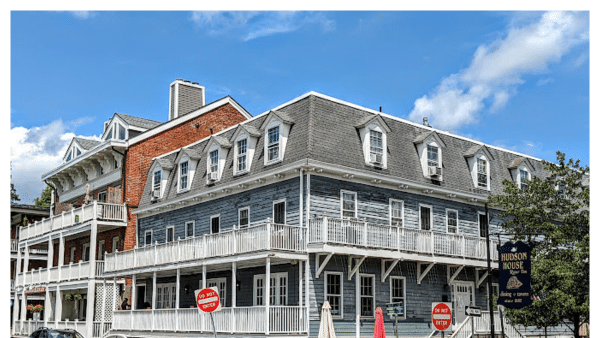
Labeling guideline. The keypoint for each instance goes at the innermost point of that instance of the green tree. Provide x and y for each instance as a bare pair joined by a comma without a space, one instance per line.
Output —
13,193
552,213
45,199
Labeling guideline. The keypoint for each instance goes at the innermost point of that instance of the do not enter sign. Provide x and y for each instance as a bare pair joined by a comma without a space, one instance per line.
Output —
208,299
441,316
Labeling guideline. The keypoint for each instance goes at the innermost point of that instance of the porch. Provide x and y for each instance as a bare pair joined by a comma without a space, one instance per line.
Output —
61,273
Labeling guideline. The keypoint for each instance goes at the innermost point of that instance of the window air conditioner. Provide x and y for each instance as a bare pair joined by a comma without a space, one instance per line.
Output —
156,193
213,176
376,158
435,171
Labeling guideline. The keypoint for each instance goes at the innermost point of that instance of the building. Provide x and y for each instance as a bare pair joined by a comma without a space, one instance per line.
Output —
96,188
317,199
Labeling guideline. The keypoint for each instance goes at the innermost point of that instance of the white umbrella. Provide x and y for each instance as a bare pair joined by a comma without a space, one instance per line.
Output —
326,328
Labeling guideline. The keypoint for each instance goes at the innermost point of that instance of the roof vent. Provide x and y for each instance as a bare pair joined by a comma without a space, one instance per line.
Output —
184,98
426,121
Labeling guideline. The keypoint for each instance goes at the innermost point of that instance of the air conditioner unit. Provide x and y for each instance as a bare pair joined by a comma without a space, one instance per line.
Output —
213,176
156,193
435,171
376,158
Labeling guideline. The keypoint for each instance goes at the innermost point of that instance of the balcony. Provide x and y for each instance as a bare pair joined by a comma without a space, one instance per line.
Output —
336,231
77,271
13,245
261,237
93,211
281,320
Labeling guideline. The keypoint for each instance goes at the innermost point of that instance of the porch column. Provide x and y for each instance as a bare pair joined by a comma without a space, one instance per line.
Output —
58,305
50,255
357,302
133,292
177,288
19,263
15,311
204,276
300,283
233,284
267,293
47,307
26,263
306,290
61,255
89,317
23,305
154,290
93,246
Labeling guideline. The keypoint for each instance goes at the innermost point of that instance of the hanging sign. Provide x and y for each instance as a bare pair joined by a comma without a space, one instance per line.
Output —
208,299
34,290
441,316
515,275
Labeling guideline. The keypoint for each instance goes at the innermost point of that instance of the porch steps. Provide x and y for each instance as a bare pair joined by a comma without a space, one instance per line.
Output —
367,328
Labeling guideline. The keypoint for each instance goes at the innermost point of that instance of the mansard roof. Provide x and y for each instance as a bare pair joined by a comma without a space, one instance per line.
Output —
222,141
285,117
423,136
517,162
367,119
85,143
474,149
138,121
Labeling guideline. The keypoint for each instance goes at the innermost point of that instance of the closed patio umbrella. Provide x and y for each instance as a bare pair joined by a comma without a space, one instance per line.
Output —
326,327
379,327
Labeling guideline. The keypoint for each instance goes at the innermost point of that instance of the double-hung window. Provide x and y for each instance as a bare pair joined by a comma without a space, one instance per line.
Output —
183,175
102,196
115,243
376,146
214,161
156,180
482,175
367,295
425,217
165,295
241,155
121,132
85,252
273,145
148,237
279,212
215,224
243,217
349,208
333,292
189,229
524,178
170,235
397,294
72,255
452,221
396,212
483,224
432,156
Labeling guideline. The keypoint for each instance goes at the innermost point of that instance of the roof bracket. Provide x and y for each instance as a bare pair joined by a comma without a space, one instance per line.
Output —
356,266
322,265
386,272
453,277
420,275
479,280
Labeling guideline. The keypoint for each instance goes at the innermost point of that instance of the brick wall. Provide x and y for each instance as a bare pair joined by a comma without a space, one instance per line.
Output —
78,201
139,156
107,236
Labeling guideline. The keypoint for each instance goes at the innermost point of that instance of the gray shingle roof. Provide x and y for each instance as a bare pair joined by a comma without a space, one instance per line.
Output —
138,121
85,143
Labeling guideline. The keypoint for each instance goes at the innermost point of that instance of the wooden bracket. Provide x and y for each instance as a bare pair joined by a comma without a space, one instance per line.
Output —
321,266
386,272
453,277
479,280
355,268
420,275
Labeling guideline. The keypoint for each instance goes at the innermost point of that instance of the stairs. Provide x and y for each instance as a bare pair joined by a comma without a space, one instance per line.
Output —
482,327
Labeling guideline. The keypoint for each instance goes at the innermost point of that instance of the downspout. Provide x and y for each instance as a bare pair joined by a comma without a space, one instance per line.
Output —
52,199
124,185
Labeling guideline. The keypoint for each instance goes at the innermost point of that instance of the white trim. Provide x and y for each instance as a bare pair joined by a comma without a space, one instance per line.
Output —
167,233
193,223
146,236
360,276
403,279
451,210
90,152
342,192
430,216
284,201
211,220
239,216
391,200
341,295
453,287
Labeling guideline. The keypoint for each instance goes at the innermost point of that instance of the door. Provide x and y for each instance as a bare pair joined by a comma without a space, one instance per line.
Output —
141,296
462,296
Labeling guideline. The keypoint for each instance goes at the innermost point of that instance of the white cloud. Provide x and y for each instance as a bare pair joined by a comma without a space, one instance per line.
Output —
544,81
83,14
251,25
36,151
496,69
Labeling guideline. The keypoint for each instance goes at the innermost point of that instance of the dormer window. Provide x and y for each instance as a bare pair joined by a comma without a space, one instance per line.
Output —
69,157
373,131
214,161
116,131
432,156
376,152
156,180
273,146
430,151
482,173
523,178
109,134
241,155
183,175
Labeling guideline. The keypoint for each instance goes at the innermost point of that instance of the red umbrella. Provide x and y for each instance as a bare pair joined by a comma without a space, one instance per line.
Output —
379,327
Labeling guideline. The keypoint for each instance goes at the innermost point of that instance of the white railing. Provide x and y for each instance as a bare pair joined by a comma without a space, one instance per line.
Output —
99,329
265,236
482,324
13,245
464,330
12,284
282,319
96,210
72,271
359,233
76,325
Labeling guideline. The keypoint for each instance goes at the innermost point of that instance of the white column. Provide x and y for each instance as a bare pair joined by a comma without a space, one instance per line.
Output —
267,293
93,246
233,284
177,288
61,255
154,290
357,302
26,263
50,255
300,283
15,311
133,292
204,328
306,290
204,276
19,263
91,297
23,305
58,305
47,307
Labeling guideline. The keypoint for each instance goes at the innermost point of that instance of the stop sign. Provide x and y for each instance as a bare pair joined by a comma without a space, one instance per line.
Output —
208,299
441,316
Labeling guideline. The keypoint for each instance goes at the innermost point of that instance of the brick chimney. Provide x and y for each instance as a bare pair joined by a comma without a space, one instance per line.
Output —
184,98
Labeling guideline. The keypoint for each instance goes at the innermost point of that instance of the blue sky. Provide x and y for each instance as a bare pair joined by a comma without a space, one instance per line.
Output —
519,80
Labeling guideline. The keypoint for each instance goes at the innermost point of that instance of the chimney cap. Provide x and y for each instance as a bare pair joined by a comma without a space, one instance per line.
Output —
196,83
179,79
426,121
188,81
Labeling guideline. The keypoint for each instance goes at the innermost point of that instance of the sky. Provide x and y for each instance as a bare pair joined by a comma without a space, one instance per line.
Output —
518,80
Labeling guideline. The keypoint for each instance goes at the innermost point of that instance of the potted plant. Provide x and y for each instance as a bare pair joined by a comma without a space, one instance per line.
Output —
35,309
68,296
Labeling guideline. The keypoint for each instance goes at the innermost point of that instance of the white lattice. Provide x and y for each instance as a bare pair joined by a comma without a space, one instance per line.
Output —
106,297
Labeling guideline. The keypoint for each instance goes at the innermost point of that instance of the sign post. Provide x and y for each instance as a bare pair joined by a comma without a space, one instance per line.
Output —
395,310
473,311
208,301
441,316
515,275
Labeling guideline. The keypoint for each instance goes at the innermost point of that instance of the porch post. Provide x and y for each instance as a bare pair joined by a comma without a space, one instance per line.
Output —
47,308
204,329
267,294
58,305
357,306
204,276
15,311
89,317
61,254
93,250
177,288
50,255
133,292
306,289
300,284
26,263
23,305
233,284
154,290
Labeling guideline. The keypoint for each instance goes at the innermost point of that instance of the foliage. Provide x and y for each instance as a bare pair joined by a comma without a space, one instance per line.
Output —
35,308
45,199
77,296
13,193
552,214
68,296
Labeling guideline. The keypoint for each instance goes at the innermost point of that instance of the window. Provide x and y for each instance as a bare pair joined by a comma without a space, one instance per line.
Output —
367,295
278,289
183,175
483,223
244,217
495,292
396,208
109,135
170,234
85,252
115,243
156,180
221,284
425,217
524,177
101,250
349,208
78,152
397,293
121,132
432,156
482,176
189,229
215,226
279,212
451,221
333,292
214,161
165,295
148,237
72,255
273,145
69,157
376,146
102,196
241,155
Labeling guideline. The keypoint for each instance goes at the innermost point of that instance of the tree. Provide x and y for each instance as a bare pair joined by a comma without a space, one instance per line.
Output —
13,193
45,199
552,214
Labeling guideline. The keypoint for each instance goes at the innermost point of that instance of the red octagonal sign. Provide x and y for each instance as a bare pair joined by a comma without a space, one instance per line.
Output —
207,299
441,316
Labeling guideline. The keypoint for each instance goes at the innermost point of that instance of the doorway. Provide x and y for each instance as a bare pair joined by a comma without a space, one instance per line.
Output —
140,294
462,296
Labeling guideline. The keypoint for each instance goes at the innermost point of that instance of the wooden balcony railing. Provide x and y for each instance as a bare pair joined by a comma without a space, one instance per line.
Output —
364,234
264,236
95,210
73,271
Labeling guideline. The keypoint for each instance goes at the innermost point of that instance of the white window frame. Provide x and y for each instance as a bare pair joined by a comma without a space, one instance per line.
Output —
211,165
447,221
101,245
479,213
438,164
161,303
85,246
284,201
371,147
187,225
72,254
181,176
372,276
172,228
342,192
430,216
391,211
267,293
238,155
248,210
487,173
521,171
146,236
157,185
218,281
273,145
113,133
341,295
211,221
403,279
115,245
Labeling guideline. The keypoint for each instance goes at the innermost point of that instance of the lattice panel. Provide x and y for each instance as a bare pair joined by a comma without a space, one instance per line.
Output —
102,294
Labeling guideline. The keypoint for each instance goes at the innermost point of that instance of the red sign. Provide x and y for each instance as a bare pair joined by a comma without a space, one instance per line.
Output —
208,299
441,316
